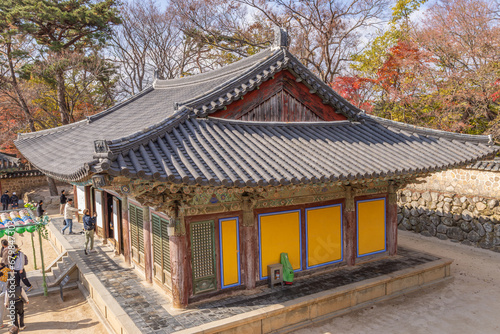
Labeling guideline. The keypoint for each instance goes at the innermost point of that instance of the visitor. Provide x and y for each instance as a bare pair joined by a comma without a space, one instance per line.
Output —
39,209
14,200
69,210
20,260
19,297
5,199
5,246
4,275
62,201
89,226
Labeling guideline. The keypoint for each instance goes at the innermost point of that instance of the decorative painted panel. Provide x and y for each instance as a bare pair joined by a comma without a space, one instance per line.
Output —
279,232
371,226
323,235
229,252
203,256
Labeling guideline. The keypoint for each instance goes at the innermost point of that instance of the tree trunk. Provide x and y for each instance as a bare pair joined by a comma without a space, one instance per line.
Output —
61,94
52,186
20,97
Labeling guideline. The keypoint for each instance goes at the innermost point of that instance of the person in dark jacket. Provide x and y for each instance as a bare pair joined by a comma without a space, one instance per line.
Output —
89,226
14,200
5,199
16,297
39,209
62,201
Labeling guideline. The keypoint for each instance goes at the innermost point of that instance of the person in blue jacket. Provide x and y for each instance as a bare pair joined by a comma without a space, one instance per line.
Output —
89,226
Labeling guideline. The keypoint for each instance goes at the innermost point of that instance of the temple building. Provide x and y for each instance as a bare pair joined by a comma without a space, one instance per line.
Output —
202,182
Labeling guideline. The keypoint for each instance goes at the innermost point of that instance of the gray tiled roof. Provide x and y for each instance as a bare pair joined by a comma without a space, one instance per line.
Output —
7,161
155,134
486,165
238,153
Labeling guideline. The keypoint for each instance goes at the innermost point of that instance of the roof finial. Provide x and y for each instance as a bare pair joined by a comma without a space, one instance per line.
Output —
280,37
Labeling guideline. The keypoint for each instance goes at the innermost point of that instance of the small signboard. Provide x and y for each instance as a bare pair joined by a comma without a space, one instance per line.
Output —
62,284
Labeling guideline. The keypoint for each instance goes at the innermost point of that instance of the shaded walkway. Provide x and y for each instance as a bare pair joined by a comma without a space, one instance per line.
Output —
144,304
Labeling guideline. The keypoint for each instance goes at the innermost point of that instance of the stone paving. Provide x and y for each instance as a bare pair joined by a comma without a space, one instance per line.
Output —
145,305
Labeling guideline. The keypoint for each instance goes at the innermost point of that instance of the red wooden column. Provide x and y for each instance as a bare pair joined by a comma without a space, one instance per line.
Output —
392,221
249,244
179,261
148,259
350,227
125,230
75,201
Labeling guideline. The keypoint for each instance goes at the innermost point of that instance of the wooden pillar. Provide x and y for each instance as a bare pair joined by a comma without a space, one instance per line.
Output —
179,261
148,259
75,200
392,221
249,244
350,227
126,230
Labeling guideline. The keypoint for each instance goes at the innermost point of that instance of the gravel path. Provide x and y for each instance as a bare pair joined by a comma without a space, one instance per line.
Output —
468,304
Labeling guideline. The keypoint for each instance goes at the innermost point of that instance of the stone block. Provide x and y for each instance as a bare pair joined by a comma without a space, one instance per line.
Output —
373,292
467,215
455,233
247,328
330,305
432,275
473,236
402,283
288,318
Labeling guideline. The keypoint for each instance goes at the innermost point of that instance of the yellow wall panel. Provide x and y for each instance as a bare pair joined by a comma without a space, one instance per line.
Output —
371,226
230,256
279,233
324,235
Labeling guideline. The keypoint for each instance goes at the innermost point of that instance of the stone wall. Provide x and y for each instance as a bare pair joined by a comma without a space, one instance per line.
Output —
459,205
467,182
22,184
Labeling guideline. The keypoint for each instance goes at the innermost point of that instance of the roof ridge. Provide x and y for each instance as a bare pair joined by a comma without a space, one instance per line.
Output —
119,104
208,96
429,132
39,133
266,123
221,72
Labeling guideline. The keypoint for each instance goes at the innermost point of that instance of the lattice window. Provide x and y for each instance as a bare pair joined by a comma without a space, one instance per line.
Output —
140,229
136,229
203,256
133,226
165,245
161,245
203,249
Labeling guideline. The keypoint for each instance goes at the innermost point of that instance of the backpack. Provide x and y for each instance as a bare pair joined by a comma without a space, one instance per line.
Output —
25,260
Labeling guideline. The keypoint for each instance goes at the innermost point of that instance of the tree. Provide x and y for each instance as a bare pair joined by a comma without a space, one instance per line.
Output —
324,33
63,26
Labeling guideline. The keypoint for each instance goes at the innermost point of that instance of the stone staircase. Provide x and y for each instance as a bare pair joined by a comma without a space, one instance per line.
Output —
61,267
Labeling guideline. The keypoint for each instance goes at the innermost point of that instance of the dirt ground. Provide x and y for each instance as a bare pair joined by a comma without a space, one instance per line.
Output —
51,315
24,242
468,304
